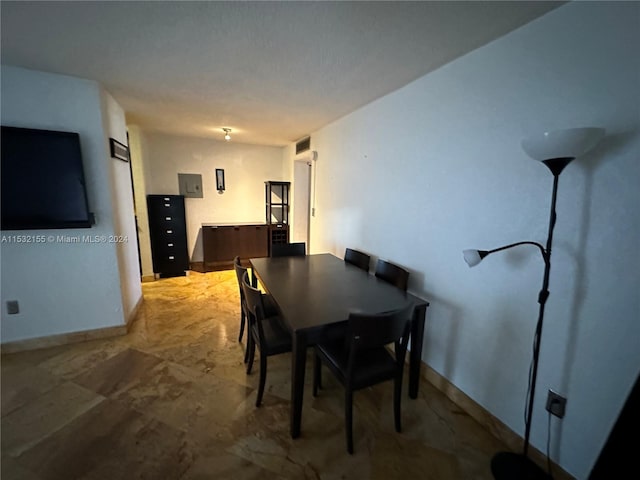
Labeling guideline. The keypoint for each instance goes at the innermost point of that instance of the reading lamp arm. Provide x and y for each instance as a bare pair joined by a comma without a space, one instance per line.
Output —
543,252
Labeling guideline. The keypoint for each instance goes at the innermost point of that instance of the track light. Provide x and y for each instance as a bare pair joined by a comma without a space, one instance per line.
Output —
226,131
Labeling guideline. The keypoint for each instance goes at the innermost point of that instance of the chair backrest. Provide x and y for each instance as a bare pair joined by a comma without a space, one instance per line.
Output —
374,330
392,274
240,271
357,258
371,331
255,307
297,249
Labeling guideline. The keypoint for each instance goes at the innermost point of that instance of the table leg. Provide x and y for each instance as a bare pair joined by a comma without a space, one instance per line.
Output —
298,360
415,355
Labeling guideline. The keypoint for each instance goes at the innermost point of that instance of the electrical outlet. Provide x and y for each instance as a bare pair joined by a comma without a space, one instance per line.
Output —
13,307
556,404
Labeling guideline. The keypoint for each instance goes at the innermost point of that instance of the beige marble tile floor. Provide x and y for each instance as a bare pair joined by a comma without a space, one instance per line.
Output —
171,400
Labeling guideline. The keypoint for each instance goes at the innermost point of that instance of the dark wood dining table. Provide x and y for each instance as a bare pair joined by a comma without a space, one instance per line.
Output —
313,292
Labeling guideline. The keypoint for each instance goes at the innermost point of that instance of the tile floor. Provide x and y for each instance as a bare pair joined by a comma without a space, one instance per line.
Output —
171,400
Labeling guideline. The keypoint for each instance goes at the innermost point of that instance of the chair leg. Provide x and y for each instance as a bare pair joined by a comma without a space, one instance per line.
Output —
317,374
397,395
263,378
251,348
247,348
242,320
246,352
348,418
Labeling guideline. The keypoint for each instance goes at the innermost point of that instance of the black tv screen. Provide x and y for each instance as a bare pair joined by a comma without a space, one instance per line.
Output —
42,180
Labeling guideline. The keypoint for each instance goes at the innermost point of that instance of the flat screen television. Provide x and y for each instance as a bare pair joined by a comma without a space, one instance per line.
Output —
42,180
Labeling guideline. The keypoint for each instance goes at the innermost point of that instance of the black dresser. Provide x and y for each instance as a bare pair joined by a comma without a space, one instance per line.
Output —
168,232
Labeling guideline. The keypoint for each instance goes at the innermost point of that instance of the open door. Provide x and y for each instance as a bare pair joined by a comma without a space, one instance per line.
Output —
301,201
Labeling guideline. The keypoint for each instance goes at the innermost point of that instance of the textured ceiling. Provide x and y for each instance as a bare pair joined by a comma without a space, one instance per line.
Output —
271,71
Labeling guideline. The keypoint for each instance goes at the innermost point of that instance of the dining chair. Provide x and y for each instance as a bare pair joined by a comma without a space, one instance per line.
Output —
240,271
392,274
267,333
361,358
357,258
269,306
297,249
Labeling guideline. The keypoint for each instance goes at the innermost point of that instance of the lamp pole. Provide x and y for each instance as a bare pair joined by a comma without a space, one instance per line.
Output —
507,465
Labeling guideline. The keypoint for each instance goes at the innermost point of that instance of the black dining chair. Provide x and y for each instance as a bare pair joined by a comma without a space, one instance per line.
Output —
361,358
240,271
357,258
269,305
392,274
297,249
267,333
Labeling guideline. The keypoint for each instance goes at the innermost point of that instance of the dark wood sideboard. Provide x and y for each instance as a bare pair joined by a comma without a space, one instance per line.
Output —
221,243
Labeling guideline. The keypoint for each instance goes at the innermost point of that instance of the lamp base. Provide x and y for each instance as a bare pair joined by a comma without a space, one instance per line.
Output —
515,466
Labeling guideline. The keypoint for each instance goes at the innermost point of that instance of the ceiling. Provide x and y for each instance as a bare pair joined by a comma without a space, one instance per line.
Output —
271,71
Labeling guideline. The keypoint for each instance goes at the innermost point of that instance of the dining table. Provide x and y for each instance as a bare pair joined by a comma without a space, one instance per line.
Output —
316,292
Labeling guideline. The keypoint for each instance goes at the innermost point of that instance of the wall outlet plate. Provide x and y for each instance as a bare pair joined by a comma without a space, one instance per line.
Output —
556,404
13,307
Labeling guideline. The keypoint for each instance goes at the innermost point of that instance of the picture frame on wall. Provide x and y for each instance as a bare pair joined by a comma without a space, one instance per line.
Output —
118,150
219,179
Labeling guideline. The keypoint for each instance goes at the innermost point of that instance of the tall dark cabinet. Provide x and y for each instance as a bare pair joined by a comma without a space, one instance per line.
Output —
168,232
277,211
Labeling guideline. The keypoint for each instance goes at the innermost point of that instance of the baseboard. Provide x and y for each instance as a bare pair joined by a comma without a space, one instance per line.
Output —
134,313
201,267
63,339
197,267
498,429
73,337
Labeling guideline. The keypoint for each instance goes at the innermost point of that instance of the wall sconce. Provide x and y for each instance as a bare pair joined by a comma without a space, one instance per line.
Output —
220,180
226,131
556,150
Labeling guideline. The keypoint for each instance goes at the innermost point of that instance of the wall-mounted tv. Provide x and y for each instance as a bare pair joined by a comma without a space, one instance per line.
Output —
42,180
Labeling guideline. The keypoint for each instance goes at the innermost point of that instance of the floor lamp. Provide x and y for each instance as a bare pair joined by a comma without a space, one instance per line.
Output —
555,149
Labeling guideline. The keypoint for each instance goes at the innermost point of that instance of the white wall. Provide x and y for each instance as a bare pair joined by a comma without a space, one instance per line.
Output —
436,167
124,238
62,287
246,168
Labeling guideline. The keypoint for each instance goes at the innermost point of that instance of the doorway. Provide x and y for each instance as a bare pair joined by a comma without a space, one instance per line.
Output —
301,201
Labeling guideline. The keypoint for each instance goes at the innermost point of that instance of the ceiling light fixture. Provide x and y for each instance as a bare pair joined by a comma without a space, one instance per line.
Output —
226,131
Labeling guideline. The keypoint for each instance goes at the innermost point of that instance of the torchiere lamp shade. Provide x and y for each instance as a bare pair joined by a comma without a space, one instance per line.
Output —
567,143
